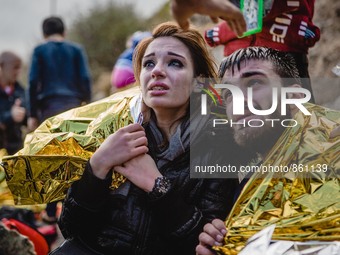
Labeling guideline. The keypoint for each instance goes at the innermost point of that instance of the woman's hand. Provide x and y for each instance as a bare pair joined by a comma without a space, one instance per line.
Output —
128,142
212,235
141,171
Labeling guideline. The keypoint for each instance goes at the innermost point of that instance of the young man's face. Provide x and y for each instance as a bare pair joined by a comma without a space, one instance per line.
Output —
260,76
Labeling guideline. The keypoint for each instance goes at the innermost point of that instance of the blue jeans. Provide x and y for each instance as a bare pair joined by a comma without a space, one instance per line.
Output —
52,106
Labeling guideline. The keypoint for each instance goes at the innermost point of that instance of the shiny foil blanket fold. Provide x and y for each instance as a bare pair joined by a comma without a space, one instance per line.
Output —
55,154
303,201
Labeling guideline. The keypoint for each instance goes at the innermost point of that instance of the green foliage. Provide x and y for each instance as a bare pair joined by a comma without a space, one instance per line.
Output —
103,33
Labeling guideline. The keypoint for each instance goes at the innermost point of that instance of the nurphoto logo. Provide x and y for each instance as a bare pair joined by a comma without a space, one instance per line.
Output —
238,103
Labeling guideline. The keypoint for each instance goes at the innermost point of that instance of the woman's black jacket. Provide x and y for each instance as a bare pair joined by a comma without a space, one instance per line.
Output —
135,224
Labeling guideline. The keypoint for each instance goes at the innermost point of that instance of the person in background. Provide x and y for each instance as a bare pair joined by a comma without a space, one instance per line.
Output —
164,209
59,77
122,73
12,103
287,26
182,10
59,80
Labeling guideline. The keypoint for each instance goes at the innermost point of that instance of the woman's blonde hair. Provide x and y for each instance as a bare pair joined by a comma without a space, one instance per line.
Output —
204,65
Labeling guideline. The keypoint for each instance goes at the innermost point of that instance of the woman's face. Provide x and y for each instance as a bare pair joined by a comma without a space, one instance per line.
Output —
167,74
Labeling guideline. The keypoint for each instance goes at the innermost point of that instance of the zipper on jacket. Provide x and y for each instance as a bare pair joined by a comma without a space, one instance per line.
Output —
143,228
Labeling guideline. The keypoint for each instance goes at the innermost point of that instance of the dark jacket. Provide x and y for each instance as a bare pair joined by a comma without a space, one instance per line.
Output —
139,225
10,132
58,69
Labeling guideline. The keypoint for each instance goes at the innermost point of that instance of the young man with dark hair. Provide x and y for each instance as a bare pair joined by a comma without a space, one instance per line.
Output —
305,147
59,77
53,25
261,69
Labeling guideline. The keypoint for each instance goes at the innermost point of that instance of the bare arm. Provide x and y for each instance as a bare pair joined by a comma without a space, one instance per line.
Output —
182,10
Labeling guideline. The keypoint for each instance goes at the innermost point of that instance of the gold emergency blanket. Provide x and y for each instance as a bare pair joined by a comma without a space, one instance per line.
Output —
304,202
6,197
55,154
